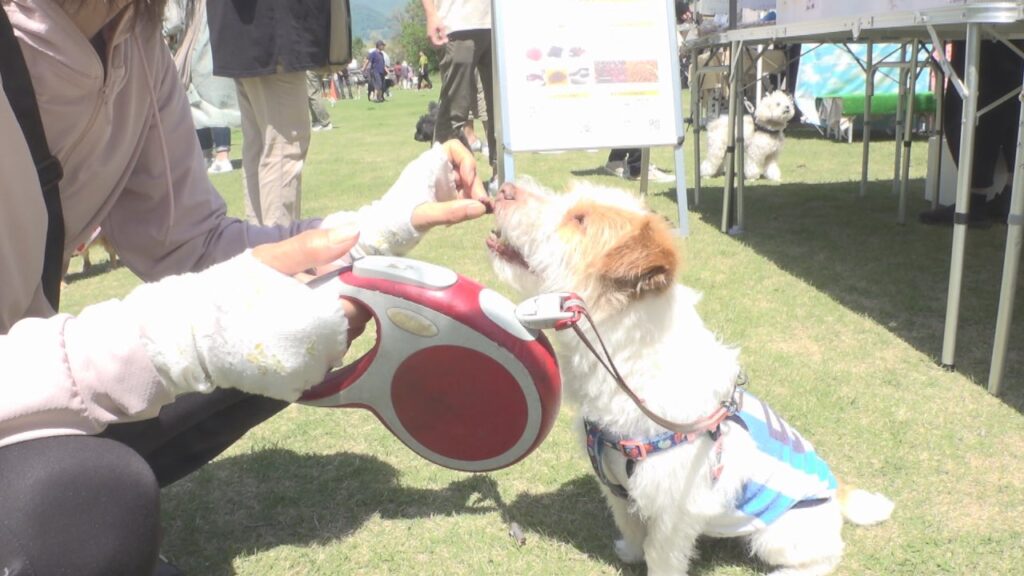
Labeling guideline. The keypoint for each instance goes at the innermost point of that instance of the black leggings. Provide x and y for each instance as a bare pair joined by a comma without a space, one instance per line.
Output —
90,505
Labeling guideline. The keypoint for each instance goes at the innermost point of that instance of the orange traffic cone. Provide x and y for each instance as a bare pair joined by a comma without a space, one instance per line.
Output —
334,91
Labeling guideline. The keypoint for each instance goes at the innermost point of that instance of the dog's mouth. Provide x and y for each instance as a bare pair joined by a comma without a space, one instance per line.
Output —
501,248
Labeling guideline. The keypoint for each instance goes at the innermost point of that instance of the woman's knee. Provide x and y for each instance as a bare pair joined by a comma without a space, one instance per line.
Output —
78,505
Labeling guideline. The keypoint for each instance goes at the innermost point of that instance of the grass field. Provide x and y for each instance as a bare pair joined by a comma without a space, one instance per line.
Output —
839,312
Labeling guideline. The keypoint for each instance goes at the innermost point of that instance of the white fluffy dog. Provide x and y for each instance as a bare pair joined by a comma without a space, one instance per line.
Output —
762,139
736,472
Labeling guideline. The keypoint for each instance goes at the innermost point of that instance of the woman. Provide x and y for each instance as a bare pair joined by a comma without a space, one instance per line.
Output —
100,410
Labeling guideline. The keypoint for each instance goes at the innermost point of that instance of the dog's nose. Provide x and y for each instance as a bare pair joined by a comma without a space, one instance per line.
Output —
507,192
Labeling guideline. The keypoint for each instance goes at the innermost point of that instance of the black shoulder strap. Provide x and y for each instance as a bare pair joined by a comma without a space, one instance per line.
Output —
18,86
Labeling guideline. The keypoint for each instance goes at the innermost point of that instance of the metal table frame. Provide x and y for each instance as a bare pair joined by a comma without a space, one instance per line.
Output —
999,21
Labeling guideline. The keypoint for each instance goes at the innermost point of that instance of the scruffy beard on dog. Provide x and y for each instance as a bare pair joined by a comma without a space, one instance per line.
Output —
605,246
762,139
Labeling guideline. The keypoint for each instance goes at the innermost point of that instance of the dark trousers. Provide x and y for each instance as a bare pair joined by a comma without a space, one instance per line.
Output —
1000,71
631,156
466,53
314,89
90,505
216,139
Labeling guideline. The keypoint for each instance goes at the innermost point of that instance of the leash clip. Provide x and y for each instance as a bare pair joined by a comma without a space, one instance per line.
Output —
558,310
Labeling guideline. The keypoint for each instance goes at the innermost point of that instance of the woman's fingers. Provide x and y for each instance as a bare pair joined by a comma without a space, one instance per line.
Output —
307,250
431,214
468,180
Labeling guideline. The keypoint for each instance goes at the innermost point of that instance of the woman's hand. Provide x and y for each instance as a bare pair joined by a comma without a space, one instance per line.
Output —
310,250
469,199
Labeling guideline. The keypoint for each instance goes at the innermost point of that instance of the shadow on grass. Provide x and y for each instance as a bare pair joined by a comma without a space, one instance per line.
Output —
274,497
852,248
576,514
96,269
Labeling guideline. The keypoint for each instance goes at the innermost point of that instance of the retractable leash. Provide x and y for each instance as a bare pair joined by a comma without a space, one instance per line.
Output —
453,374
563,310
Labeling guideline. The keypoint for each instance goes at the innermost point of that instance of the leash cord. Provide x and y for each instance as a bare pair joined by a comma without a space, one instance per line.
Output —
703,425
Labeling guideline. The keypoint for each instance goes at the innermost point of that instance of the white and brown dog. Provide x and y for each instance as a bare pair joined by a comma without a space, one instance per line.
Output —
734,468
762,139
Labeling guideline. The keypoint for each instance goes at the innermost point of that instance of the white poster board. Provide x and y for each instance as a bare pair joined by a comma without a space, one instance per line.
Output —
580,74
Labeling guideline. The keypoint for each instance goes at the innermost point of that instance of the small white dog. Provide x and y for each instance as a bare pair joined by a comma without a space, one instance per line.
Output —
738,471
762,139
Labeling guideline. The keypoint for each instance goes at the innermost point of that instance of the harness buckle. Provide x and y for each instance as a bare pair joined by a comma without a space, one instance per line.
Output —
633,449
558,310
735,402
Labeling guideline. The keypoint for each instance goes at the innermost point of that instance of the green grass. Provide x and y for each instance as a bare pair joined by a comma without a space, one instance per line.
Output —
839,312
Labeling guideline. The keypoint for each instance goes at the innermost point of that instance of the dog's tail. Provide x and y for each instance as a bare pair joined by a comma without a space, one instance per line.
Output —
862,507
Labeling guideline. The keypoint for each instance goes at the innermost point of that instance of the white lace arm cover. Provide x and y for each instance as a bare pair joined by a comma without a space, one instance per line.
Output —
385,225
239,324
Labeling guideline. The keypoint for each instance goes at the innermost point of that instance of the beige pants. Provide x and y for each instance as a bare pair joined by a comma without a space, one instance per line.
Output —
275,139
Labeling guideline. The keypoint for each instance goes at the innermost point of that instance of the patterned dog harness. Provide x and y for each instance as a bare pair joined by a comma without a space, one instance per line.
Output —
788,473
634,450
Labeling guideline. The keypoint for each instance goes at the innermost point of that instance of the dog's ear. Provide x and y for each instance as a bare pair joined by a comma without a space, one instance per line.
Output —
644,261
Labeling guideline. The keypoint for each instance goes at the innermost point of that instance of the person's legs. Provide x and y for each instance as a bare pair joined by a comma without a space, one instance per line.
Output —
1000,72
221,136
205,137
378,86
220,139
77,505
617,154
616,164
485,92
458,87
193,430
280,104
319,117
252,147
632,158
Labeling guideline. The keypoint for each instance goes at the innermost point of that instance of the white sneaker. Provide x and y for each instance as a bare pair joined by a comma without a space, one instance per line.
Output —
220,166
616,168
656,175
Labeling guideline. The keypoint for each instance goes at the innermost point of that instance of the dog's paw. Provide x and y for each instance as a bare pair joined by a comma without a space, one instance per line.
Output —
773,173
628,553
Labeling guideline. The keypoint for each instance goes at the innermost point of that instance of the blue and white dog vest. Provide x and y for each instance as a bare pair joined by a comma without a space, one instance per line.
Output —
787,473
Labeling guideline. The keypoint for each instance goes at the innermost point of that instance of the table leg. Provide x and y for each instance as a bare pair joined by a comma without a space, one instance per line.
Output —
963,193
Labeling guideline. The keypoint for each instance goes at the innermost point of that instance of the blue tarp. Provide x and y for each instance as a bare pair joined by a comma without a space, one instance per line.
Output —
831,70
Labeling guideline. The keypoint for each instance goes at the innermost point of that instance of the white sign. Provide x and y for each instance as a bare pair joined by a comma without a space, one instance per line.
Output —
577,74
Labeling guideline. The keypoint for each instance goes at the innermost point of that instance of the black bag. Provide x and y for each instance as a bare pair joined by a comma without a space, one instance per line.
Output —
17,85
